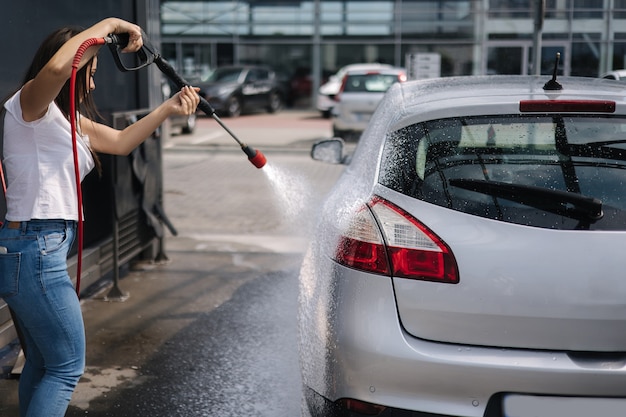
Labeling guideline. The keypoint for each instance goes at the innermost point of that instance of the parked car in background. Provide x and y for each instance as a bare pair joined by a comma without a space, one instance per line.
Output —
328,90
300,84
358,97
469,261
232,90
186,124
619,74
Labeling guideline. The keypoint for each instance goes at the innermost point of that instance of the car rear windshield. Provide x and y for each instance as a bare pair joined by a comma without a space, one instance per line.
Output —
554,171
369,83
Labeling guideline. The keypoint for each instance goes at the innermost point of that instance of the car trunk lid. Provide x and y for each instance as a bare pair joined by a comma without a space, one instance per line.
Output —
519,286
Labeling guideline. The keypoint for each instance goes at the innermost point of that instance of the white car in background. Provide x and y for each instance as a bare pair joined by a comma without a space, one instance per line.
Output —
470,259
328,91
359,95
619,75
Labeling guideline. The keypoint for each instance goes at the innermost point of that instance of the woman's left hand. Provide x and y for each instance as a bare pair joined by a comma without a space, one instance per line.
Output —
186,101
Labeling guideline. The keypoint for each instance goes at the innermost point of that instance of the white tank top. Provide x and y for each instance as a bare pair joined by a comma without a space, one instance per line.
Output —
39,164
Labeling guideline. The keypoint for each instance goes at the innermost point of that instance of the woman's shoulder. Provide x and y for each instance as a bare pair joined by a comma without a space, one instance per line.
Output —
13,106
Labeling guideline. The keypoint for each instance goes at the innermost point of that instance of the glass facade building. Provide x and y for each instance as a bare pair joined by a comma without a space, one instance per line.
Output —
317,37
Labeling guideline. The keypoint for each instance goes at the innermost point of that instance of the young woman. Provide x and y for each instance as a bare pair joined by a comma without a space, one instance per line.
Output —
42,211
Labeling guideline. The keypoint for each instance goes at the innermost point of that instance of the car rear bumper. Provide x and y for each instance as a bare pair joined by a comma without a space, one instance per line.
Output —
351,122
318,406
363,353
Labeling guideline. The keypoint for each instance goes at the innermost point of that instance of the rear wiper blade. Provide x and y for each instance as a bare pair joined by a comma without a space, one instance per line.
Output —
595,150
607,142
563,203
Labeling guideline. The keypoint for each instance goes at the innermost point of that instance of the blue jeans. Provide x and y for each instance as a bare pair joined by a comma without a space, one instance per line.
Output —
34,282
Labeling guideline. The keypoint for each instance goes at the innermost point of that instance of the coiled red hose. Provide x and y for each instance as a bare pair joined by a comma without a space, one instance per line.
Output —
77,58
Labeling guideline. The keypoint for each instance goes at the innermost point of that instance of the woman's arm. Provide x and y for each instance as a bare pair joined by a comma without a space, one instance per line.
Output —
39,92
105,139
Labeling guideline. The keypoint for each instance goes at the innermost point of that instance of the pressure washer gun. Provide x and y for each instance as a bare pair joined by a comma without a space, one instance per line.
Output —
147,55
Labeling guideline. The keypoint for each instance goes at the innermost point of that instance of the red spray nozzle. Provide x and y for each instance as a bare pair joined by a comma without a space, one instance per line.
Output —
254,156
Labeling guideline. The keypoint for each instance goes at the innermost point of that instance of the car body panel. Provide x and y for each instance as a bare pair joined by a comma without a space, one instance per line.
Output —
536,310
368,357
508,265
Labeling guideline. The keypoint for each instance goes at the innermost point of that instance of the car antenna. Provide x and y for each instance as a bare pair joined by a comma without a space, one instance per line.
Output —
553,84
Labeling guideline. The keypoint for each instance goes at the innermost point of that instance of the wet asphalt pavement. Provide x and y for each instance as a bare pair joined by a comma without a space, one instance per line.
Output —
238,359
212,331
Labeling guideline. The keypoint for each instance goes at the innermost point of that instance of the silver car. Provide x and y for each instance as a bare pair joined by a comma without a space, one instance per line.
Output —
358,97
470,259
328,91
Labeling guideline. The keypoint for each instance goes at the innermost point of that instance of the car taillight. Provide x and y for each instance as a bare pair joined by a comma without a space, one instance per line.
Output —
337,97
361,245
384,239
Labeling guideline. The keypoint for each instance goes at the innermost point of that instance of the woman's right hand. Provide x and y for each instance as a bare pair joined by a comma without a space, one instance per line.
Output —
135,40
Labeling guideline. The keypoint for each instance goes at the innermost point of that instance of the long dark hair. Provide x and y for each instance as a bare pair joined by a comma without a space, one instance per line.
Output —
82,98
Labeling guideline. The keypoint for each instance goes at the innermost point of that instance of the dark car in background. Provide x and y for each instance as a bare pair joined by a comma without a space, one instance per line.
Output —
232,90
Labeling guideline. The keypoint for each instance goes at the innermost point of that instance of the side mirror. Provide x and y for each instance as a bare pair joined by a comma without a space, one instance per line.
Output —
329,151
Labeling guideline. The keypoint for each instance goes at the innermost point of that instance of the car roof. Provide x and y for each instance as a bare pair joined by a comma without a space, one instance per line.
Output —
372,65
486,94
440,98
